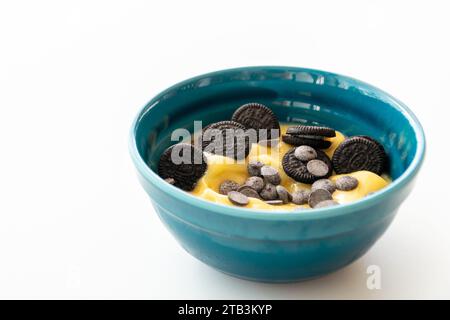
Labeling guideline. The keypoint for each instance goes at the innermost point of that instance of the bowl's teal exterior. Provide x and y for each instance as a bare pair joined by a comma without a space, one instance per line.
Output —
278,246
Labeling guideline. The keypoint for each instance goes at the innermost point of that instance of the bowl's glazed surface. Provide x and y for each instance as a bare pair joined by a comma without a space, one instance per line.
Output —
278,246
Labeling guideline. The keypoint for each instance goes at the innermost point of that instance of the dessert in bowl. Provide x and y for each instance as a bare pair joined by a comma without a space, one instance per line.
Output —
277,242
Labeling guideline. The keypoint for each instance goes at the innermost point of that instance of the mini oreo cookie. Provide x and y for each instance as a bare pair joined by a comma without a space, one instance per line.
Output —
232,142
297,169
359,153
386,162
257,116
307,141
311,131
184,163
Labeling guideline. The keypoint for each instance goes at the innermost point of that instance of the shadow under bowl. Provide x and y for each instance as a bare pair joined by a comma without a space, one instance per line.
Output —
278,246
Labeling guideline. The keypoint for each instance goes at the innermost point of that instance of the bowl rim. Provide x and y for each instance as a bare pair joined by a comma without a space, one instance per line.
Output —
278,215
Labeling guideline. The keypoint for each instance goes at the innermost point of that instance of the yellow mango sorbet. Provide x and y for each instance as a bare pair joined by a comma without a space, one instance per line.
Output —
221,168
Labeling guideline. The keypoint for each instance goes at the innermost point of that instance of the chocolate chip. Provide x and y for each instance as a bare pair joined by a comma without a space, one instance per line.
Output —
317,168
186,166
326,184
305,153
359,153
249,192
311,131
257,116
254,168
346,183
271,175
297,170
317,196
283,194
256,183
274,202
170,180
227,186
308,141
269,192
326,203
301,196
226,138
238,198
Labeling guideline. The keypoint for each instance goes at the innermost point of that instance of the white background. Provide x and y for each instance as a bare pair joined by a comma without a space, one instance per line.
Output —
74,222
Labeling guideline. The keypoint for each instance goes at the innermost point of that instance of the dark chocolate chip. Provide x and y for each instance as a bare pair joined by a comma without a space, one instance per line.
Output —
317,196
226,138
184,163
326,203
359,153
227,186
254,168
170,180
301,196
346,183
269,192
317,168
311,131
283,194
257,116
305,153
300,141
238,198
274,202
297,170
270,175
326,184
256,183
249,192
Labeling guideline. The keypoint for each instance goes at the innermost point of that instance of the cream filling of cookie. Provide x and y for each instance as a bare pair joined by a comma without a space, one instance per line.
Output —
221,168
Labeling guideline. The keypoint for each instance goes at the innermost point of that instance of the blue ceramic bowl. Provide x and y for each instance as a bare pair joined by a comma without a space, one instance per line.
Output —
278,246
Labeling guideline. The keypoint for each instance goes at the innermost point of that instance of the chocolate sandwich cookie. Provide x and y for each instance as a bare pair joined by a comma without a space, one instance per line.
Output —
226,138
257,116
298,170
183,164
314,142
359,153
311,131
312,136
